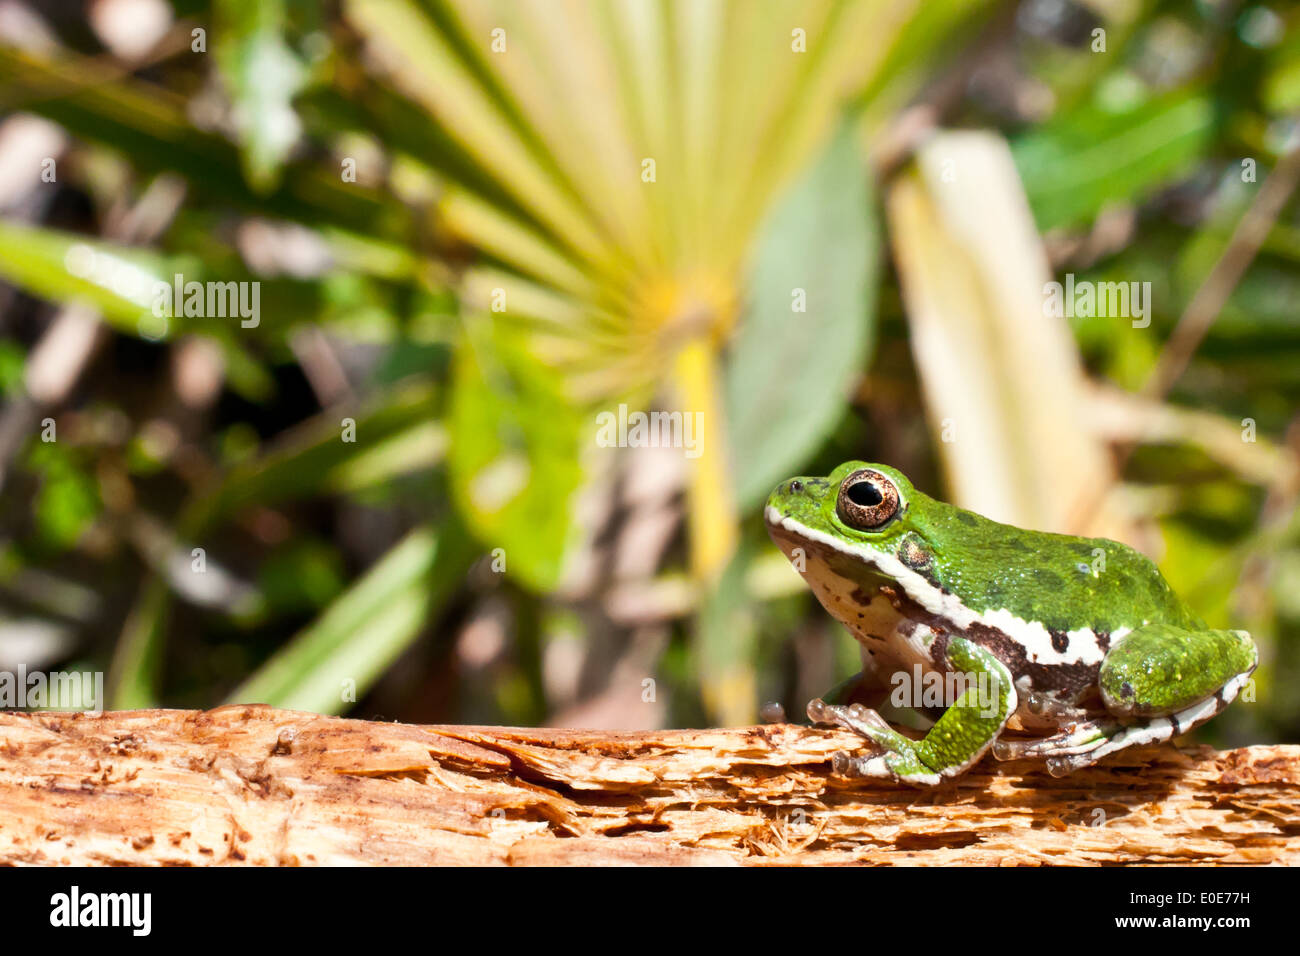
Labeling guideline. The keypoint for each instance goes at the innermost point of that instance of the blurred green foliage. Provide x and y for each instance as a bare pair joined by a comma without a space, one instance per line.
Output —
386,498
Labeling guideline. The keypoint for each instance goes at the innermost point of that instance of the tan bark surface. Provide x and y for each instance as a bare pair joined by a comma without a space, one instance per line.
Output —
255,785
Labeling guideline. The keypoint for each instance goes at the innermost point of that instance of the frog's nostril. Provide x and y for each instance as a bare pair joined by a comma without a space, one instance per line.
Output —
796,486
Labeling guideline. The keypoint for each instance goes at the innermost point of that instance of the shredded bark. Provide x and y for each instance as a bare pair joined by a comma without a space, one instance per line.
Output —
255,785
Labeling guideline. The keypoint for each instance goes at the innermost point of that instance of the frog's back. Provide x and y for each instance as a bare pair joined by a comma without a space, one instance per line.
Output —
1062,581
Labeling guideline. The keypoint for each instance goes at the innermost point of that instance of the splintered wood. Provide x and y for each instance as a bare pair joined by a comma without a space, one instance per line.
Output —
254,785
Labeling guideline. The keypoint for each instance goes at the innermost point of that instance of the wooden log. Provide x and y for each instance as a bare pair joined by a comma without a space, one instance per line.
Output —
255,785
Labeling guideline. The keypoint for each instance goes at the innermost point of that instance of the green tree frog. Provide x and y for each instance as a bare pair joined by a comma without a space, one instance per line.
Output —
1077,644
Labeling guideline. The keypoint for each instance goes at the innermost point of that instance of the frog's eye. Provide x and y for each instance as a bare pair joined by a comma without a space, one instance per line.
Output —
867,500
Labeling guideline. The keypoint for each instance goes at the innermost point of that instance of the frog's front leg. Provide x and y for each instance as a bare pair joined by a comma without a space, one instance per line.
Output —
1160,681
958,739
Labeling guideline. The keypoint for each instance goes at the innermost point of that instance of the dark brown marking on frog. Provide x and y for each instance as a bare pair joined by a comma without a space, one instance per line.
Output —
1070,682
860,597
891,594
915,555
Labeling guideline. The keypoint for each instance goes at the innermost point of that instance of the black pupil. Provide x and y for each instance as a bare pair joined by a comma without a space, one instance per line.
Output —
866,494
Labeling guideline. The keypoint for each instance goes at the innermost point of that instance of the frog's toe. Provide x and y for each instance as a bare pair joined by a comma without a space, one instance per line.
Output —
846,764
1108,738
1010,749
1048,706
1078,738
898,767
817,711
861,720
1029,749
1063,766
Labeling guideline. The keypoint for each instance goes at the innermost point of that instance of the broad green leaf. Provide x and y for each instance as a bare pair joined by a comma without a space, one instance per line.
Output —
789,372
514,459
1091,157
339,656
261,75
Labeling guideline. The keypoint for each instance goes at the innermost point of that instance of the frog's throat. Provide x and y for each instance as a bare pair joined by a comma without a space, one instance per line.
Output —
1080,647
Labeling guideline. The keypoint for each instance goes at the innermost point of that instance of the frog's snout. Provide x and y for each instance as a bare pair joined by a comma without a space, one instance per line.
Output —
794,498
779,501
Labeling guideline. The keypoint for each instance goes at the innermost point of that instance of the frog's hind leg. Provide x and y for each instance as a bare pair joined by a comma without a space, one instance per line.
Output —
1161,681
958,739
1154,730
1079,737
